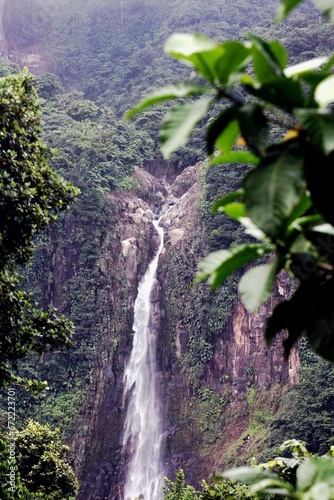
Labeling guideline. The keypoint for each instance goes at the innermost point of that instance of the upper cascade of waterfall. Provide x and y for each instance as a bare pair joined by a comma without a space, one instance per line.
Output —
142,432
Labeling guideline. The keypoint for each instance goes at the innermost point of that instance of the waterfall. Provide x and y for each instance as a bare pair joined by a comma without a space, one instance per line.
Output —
142,430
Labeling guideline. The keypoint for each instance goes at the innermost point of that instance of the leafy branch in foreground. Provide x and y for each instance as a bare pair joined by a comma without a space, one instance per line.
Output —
300,477
286,196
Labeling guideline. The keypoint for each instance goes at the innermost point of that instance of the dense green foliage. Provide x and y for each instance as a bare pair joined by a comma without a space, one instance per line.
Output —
174,490
93,148
37,468
11,487
30,195
41,460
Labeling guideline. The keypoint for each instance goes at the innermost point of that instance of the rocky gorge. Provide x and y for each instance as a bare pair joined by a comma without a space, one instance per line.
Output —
215,389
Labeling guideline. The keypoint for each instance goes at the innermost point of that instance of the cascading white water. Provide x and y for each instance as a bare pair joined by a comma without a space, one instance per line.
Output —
142,431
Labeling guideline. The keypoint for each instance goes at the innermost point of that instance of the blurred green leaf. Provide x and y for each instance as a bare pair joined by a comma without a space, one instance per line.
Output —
274,188
167,93
319,124
230,197
196,50
326,7
228,137
281,91
217,266
234,58
269,59
286,6
305,67
179,122
235,210
249,475
315,470
236,157
324,93
225,128
256,285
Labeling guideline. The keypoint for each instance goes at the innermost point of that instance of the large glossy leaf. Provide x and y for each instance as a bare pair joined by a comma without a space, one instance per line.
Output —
224,127
269,59
285,7
252,229
256,285
324,93
198,51
281,91
313,79
303,204
274,487
321,490
236,157
261,481
274,188
235,210
179,122
185,45
323,228
233,59
279,52
305,67
228,137
326,7
229,198
254,127
217,266
167,93
216,62
315,470
319,124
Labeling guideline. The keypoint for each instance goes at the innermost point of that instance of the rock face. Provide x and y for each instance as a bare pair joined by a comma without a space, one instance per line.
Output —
123,260
199,355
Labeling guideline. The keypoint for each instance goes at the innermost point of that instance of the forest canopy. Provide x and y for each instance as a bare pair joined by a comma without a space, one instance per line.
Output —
31,194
